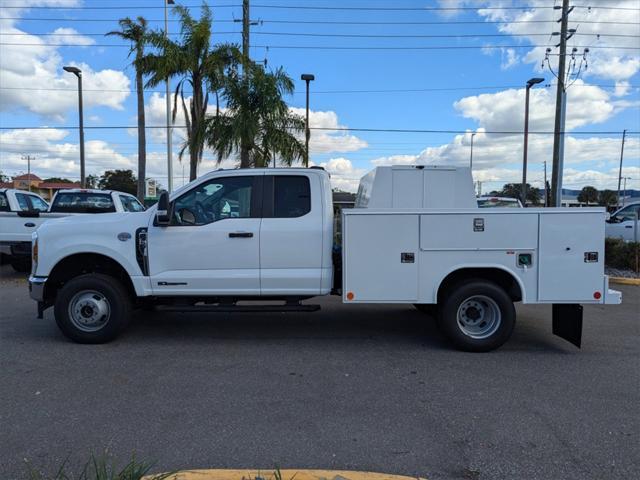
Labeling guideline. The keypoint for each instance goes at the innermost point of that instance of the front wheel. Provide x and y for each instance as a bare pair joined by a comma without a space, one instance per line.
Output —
92,308
477,316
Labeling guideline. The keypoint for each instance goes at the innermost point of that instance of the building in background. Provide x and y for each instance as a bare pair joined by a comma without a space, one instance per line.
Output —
45,189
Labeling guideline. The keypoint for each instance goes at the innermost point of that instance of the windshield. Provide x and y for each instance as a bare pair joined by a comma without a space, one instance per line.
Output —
498,202
83,202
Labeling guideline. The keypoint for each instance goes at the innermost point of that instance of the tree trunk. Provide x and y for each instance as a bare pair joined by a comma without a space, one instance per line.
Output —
193,164
142,144
244,155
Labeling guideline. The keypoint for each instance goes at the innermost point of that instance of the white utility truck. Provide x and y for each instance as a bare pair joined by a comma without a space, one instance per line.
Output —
21,213
416,237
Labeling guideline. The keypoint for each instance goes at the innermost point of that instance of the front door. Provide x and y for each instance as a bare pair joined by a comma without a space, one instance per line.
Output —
211,246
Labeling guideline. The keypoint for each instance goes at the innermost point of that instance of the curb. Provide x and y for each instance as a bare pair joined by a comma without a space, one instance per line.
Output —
624,280
270,474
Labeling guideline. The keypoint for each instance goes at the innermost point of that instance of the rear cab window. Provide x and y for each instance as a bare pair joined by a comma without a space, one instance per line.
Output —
83,202
291,196
131,204
23,202
38,204
4,203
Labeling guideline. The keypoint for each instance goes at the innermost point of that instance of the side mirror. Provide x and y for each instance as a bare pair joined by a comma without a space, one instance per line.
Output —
163,214
29,213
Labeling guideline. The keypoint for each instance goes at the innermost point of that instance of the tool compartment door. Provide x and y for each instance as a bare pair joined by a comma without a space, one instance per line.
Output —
566,275
381,257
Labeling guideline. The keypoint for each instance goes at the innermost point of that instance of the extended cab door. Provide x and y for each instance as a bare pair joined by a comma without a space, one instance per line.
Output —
211,246
291,236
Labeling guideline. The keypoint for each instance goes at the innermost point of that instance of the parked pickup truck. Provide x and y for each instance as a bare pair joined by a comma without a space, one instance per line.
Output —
21,213
417,238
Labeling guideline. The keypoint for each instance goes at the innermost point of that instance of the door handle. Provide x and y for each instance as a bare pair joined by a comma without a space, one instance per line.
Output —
29,224
628,226
240,235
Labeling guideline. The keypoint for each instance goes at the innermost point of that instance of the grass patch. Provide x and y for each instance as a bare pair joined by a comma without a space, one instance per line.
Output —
102,468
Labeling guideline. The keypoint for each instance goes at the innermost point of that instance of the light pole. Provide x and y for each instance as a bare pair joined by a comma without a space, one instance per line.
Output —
168,105
471,155
624,192
78,73
307,77
546,193
523,191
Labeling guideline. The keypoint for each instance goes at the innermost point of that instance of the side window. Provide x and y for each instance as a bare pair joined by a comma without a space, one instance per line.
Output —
628,213
217,199
23,201
4,203
38,203
291,196
131,204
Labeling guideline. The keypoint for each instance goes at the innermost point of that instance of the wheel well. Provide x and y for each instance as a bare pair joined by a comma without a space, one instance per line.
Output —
501,277
82,263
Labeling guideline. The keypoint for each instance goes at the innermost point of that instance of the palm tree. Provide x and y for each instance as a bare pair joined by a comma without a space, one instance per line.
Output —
136,32
197,65
256,122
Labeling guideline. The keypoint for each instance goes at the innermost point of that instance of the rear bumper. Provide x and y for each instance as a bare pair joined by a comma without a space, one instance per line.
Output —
611,297
36,288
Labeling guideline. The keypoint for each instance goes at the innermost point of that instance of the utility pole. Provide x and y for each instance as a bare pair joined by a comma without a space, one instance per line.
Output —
624,134
245,31
561,104
624,194
28,158
168,106
546,193
471,154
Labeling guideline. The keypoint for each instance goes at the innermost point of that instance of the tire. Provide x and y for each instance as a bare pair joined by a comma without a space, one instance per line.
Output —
430,309
477,316
92,308
21,264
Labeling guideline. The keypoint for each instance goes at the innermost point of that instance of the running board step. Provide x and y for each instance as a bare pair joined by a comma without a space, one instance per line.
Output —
228,308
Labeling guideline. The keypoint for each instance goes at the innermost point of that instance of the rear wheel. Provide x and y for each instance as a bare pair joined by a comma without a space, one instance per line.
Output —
477,316
92,308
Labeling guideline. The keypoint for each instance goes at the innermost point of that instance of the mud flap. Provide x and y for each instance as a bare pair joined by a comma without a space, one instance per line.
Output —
567,322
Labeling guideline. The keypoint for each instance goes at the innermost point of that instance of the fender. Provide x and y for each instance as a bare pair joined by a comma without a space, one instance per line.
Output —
462,266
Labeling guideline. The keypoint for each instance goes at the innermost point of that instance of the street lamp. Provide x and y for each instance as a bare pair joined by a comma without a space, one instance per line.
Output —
307,77
168,106
471,156
78,73
523,191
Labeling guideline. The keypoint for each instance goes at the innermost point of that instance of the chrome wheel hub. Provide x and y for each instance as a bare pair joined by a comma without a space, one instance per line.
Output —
479,317
89,310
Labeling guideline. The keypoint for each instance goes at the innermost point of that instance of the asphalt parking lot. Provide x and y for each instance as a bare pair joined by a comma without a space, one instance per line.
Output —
364,388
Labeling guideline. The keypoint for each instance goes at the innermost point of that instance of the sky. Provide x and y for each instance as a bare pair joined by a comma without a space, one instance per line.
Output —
448,68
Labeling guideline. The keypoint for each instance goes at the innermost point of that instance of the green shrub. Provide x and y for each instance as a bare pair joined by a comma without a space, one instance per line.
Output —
621,254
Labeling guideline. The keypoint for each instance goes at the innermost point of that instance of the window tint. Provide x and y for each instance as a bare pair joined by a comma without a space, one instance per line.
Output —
628,213
131,204
23,201
83,202
4,203
291,196
38,204
218,199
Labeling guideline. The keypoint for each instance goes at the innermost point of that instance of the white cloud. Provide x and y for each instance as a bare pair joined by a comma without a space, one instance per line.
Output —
330,140
344,176
35,64
608,63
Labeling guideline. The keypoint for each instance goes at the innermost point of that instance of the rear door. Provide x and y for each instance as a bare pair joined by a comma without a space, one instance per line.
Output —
291,235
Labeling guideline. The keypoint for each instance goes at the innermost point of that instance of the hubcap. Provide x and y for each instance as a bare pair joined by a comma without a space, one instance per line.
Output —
89,310
479,317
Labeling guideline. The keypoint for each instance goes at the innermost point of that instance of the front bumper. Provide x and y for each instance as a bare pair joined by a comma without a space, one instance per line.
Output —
36,288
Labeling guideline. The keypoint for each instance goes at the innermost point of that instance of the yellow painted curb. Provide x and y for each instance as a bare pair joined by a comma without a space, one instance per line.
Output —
270,474
624,281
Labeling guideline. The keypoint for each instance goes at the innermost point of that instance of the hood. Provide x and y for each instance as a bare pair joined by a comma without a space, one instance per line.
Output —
96,224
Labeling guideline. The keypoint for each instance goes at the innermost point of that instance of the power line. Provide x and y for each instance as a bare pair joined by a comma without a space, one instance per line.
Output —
343,35
317,7
332,22
329,47
339,129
